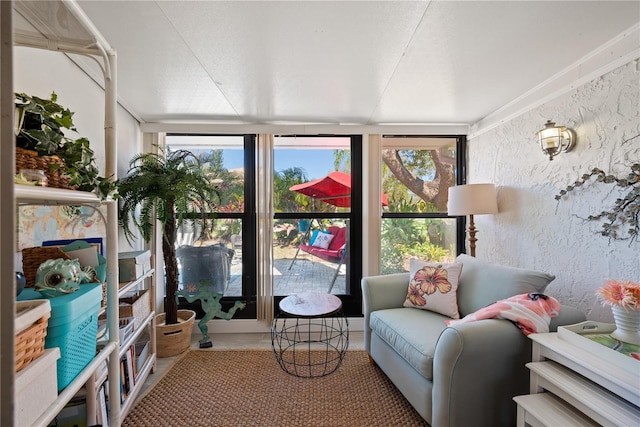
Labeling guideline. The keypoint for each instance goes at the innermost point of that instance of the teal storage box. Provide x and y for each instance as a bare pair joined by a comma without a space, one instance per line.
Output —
72,327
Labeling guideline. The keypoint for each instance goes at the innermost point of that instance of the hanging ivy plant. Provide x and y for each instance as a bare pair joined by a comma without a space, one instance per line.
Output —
622,220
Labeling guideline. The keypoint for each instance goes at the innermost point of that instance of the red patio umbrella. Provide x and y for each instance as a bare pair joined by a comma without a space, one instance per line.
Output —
334,189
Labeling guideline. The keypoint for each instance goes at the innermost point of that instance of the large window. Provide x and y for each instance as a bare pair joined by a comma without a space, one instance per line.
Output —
220,258
317,197
317,188
416,175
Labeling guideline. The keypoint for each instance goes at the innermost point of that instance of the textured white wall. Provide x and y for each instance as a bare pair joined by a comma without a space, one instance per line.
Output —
534,231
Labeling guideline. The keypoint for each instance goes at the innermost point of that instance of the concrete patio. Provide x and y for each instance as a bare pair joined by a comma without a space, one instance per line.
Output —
307,274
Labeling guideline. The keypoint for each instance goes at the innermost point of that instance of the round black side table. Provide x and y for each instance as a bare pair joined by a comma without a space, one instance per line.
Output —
310,334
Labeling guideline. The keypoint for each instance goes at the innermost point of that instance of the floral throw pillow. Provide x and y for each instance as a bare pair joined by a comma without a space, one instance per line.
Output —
433,287
323,240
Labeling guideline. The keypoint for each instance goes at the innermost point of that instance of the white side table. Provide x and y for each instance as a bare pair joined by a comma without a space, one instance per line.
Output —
570,386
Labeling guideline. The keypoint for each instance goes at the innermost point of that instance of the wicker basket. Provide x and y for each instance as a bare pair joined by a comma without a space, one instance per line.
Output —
32,319
33,257
172,340
53,166
136,304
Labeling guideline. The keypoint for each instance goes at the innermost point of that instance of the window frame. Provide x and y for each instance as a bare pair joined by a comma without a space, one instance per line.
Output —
248,218
352,301
460,179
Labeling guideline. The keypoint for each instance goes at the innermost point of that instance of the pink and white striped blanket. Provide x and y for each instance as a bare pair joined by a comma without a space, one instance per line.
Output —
531,312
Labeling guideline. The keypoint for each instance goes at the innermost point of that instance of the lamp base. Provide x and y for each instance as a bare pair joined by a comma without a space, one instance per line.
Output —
472,237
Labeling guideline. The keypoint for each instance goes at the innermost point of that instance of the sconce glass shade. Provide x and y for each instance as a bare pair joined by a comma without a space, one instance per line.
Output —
555,139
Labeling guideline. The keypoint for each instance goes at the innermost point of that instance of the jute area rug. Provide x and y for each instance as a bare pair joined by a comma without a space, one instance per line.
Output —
248,388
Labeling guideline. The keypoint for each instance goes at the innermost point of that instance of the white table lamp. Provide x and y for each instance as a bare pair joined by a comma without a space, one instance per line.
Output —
472,199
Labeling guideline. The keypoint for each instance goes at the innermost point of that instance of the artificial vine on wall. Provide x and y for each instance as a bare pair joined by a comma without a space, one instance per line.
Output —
622,220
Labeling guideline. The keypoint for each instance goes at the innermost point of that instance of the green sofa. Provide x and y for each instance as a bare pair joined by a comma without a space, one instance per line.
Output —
463,375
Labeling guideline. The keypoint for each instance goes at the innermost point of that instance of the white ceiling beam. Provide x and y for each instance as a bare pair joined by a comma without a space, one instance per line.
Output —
312,129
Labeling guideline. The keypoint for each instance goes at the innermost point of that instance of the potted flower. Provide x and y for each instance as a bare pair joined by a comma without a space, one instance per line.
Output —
171,190
624,299
42,129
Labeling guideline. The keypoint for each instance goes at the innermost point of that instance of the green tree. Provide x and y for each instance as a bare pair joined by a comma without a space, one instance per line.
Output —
342,160
408,166
229,183
285,200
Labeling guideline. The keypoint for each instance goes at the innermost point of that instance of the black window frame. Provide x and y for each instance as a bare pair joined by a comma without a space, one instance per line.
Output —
248,217
352,301
461,179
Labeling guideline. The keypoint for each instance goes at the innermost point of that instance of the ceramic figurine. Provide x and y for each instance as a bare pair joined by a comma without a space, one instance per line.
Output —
61,276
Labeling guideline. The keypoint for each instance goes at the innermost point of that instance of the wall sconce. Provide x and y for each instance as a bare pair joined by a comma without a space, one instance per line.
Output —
554,139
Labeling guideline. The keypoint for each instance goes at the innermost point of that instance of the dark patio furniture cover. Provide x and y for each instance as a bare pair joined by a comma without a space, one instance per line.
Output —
211,264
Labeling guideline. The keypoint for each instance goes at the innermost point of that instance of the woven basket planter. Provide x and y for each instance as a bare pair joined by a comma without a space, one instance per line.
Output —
53,166
172,340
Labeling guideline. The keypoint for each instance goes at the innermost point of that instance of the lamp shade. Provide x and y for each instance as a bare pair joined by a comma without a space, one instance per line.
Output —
472,199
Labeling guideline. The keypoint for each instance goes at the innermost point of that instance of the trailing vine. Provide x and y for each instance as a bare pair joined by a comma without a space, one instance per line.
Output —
622,220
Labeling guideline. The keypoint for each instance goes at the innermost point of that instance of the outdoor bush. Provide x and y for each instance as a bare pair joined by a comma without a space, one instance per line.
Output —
427,251
391,259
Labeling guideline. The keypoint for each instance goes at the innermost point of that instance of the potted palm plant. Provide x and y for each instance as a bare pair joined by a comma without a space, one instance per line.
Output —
171,189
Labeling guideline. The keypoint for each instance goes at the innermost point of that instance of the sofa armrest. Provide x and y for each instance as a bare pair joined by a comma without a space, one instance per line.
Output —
479,366
381,292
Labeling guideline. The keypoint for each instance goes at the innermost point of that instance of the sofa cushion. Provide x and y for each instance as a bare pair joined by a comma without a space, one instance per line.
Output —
412,333
433,287
339,237
482,283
